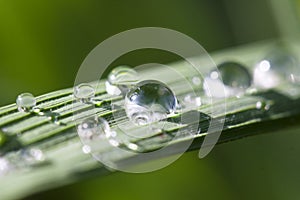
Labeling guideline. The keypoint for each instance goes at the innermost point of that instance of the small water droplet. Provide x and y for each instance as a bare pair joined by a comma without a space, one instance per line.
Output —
5,166
192,101
92,127
259,105
86,149
120,80
262,105
132,146
196,80
230,79
84,92
32,156
149,101
25,102
276,67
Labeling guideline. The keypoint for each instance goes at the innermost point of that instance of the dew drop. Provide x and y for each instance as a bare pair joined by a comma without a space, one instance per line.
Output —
132,146
230,79
276,67
32,156
93,127
120,80
84,92
192,100
149,101
25,102
196,81
259,105
263,105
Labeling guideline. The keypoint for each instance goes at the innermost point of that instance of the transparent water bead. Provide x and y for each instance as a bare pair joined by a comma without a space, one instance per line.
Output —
32,156
196,80
230,79
149,101
84,92
278,66
93,127
192,101
25,102
120,79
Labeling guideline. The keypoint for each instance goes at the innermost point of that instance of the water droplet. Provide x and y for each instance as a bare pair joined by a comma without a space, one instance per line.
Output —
92,127
149,101
25,102
132,146
120,79
84,92
192,101
32,156
230,79
259,105
53,116
196,80
263,105
276,67
5,166
86,149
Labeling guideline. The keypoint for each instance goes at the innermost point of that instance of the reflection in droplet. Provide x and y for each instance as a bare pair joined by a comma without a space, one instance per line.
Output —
25,102
120,79
278,66
229,79
84,92
149,101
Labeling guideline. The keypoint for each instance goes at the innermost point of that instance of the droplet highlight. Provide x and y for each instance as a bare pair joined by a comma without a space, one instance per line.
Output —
25,102
149,101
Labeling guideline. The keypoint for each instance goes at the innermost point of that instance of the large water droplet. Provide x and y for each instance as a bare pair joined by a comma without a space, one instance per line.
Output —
84,92
278,66
92,127
230,79
25,102
149,101
120,79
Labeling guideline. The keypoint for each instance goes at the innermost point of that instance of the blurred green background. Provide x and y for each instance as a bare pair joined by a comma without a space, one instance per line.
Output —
42,44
